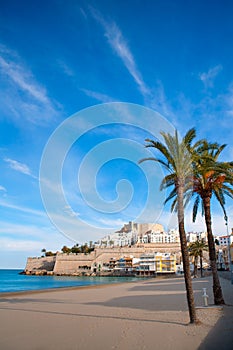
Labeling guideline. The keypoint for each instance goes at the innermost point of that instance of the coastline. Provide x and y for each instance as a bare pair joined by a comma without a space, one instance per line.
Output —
97,285
13,282
58,289
146,314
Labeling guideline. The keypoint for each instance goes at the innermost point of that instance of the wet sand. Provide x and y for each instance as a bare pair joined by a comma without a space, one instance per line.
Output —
147,314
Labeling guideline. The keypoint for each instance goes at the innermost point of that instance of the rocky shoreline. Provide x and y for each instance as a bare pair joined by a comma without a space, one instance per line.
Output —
79,274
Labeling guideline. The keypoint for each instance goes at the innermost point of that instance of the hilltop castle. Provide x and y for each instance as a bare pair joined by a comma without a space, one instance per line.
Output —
135,248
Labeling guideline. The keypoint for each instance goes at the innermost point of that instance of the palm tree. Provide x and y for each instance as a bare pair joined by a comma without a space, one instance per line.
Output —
211,178
43,251
177,161
195,255
196,250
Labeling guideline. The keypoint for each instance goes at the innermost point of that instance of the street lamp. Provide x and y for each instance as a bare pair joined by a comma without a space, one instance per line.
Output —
229,251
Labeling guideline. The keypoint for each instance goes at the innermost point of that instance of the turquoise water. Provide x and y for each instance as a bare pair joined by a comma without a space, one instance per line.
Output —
12,281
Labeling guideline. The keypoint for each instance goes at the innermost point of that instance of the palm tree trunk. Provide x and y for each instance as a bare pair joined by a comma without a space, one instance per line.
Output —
217,290
201,265
195,267
185,256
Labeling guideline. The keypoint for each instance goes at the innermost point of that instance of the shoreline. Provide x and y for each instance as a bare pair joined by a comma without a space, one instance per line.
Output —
121,280
58,289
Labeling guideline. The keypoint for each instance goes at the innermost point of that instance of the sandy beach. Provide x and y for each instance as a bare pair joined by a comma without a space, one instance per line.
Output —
148,314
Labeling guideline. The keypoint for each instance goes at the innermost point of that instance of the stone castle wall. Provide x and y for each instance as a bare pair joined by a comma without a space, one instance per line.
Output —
72,263
41,263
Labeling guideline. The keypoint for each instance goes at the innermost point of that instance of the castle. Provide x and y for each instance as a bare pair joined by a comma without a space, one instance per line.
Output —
135,248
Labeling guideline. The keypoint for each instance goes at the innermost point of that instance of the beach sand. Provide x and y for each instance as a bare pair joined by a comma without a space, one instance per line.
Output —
148,314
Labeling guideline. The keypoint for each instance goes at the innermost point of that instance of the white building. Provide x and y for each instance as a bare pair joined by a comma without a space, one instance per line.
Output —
165,237
147,264
118,239
194,236
152,263
130,234
224,240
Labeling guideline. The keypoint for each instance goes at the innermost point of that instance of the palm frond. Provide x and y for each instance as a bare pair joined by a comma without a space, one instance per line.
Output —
195,208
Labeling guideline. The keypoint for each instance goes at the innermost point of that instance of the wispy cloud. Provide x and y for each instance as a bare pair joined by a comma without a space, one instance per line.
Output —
23,209
29,237
2,188
20,246
70,211
21,94
158,101
119,45
98,96
154,97
114,224
208,77
20,167
65,68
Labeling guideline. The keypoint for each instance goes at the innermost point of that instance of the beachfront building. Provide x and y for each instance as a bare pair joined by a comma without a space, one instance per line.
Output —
156,263
146,265
165,263
122,265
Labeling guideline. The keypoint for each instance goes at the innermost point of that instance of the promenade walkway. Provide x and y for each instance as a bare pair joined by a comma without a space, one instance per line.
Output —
221,335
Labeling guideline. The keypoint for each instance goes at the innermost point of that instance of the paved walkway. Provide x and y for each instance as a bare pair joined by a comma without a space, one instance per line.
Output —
221,336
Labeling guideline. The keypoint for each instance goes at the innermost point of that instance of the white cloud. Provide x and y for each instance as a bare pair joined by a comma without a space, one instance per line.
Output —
120,47
159,102
70,211
2,188
23,79
22,209
65,68
169,220
98,96
21,230
115,224
153,97
208,77
22,96
20,167
20,246
28,237
83,13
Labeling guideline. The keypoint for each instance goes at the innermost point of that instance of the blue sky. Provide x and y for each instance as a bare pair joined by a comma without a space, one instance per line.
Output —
59,59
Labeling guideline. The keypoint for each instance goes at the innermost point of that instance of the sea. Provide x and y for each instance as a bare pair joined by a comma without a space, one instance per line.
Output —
13,281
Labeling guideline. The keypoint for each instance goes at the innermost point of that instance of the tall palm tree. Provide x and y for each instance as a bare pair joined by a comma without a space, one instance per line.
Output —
177,161
196,250
211,177
195,256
